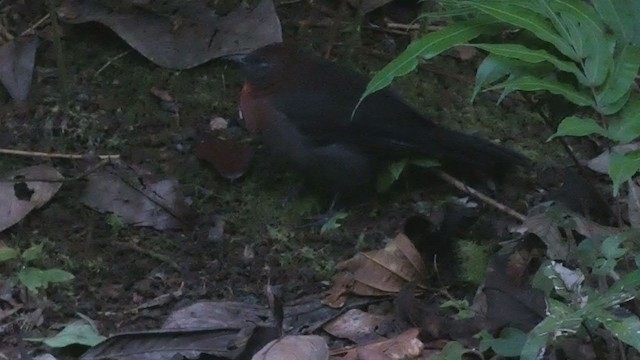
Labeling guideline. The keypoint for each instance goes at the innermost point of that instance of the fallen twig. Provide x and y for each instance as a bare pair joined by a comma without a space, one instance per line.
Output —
478,195
55,155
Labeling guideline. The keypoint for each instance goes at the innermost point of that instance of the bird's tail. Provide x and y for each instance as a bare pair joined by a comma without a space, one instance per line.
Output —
468,152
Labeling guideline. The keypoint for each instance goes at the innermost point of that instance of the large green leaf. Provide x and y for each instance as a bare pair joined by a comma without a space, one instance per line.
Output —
626,329
560,316
523,53
627,127
599,61
580,10
621,78
529,20
621,16
577,126
623,168
531,83
492,69
427,47
610,109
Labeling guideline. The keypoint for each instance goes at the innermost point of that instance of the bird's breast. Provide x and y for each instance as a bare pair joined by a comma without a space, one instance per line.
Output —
253,110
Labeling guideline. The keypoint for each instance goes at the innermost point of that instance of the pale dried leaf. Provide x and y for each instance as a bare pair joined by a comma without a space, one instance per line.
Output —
18,198
17,59
201,35
600,163
302,347
354,325
154,203
633,203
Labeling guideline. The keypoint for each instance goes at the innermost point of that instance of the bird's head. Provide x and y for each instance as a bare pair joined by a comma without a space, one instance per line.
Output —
265,65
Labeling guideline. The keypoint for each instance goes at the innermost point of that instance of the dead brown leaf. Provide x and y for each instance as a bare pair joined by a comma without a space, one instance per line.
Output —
17,59
355,325
300,347
201,36
404,346
18,198
379,272
227,149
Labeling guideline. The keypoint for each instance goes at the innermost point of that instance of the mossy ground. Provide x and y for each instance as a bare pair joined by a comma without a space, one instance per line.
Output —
265,238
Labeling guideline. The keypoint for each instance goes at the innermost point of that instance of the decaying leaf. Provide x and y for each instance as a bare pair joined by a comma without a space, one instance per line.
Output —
379,272
355,325
18,198
137,198
17,59
307,347
198,37
404,346
227,148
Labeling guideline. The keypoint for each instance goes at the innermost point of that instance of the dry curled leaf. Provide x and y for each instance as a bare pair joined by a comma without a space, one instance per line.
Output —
379,272
404,346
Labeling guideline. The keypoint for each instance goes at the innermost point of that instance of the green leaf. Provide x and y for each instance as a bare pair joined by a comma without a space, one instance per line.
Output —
7,253
492,69
610,247
621,16
599,60
334,222
427,47
32,253
397,168
531,83
78,332
622,167
581,11
56,275
32,278
529,20
621,78
509,344
610,109
577,126
452,351
625,329
520,52
627,127
560,316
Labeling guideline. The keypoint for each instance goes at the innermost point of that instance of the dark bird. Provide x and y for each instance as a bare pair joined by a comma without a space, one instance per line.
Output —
302,107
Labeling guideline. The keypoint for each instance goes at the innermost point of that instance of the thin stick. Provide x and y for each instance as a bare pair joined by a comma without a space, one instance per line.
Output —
84,174
111,61
478,195
34,26
55,155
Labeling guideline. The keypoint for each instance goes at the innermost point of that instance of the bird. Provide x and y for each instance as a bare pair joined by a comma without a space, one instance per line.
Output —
302,107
